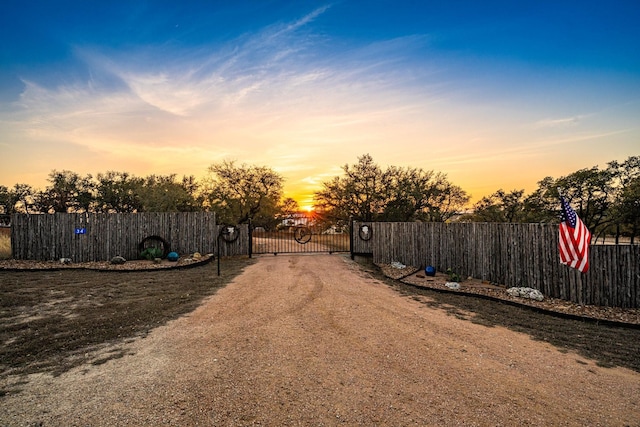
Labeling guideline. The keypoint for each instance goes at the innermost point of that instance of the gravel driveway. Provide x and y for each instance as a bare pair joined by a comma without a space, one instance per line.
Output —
315,341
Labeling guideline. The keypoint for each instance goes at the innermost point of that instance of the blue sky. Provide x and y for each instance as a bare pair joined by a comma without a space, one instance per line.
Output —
497,94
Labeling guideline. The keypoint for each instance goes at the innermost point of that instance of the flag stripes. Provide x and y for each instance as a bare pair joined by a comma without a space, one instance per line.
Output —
574,239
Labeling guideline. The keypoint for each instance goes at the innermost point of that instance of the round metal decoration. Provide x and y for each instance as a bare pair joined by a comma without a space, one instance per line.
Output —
155,242
302,235
229,233
365,232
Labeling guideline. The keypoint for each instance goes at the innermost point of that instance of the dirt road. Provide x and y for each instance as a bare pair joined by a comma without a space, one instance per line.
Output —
314,341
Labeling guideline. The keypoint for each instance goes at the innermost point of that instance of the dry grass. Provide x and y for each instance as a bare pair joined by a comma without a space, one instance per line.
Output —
5,244
53,324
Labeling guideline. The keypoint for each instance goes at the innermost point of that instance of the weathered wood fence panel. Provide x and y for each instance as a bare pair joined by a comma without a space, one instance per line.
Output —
99,237
512,255
237,247
361,245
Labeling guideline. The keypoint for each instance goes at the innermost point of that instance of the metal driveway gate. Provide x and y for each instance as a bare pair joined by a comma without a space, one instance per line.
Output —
300,234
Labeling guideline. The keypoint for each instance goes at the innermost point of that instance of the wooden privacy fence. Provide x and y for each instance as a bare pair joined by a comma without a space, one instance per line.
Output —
88,237
512,255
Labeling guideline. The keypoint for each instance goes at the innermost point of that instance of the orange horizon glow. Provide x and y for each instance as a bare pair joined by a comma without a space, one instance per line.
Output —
276,95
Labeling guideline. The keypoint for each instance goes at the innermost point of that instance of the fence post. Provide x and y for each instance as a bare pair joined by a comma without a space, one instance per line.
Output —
351,238
250,239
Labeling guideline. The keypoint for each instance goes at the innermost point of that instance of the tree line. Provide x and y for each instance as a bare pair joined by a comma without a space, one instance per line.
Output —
607,200
237,193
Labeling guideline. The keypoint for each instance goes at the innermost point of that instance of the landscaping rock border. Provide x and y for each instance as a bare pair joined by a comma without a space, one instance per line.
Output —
129,266
413,276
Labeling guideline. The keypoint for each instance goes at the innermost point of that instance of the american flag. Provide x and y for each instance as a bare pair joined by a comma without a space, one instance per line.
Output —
574,239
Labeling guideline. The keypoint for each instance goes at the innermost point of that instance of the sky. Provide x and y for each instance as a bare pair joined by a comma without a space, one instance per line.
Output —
495,94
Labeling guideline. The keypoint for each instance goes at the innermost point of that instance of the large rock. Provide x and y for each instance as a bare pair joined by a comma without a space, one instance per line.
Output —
118,260
526,293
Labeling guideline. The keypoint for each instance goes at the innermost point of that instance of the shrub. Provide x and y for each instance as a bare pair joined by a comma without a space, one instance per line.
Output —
151,253
453,276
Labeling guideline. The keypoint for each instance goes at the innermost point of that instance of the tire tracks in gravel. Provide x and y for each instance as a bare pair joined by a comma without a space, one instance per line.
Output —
312,340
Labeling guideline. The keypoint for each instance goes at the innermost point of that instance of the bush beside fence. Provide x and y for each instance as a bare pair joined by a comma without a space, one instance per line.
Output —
88,237
512,255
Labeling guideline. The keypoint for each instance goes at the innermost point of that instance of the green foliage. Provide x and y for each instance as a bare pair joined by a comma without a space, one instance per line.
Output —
118,192
606,200
357,194
67,192
5,200
108,192
242,193
453,276
599,196
368,193
500,207
19,199
627,209
151,253
162,193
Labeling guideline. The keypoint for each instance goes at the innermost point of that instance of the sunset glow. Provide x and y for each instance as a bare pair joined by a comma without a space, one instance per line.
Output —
494,96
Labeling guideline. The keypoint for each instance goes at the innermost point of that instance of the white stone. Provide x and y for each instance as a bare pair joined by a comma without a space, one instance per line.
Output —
526,293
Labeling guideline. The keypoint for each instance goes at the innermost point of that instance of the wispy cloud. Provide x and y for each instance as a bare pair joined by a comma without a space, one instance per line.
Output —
259,76
257,97
293,98
281,30
560,122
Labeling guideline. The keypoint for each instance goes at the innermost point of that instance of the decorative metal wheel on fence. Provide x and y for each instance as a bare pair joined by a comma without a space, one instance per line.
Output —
300,235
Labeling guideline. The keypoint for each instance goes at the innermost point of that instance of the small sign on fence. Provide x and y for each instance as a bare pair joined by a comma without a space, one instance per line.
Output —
81,230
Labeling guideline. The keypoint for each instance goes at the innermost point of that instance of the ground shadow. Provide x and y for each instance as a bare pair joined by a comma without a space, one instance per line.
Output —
607,345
